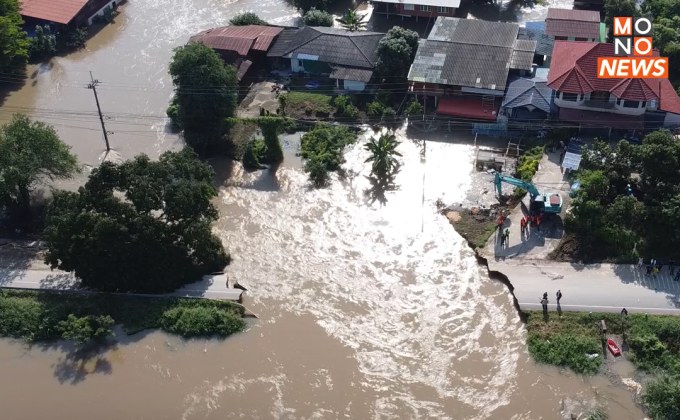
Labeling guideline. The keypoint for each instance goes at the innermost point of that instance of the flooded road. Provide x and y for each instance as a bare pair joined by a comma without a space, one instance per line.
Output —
370,304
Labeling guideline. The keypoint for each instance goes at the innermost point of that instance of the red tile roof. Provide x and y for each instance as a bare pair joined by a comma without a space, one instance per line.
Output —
240,39
573,23
574,70
59,11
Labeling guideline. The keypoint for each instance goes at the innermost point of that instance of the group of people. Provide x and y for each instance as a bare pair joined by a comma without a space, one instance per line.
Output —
529,220
655,267
544,300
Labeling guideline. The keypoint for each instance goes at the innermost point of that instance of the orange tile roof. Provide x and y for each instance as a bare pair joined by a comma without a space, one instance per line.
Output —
59,11
574,70
240,39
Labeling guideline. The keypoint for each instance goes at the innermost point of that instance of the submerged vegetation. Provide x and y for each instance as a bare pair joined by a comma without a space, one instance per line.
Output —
323,147
653,342
47,316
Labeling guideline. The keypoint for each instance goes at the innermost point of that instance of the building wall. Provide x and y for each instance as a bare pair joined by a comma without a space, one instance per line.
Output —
297,66
671,120
111,4
614,108
411,10
354,85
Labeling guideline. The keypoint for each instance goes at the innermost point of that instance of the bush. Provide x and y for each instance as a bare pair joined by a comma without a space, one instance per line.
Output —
413,108
566,350
375,109
246,18
44,43
389,114
527,164
663,398
345,108
82,330
317,170
204,321
76,38
323,147
173,112
20,318
315,17
255,153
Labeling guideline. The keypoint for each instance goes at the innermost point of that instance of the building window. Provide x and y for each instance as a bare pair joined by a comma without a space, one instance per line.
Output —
644,104
631,104
441,9
409,7
424,8
571,97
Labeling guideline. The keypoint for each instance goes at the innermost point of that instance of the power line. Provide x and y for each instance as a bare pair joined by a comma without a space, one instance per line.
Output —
93,86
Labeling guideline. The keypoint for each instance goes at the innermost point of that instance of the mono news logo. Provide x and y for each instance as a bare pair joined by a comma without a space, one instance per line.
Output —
633,53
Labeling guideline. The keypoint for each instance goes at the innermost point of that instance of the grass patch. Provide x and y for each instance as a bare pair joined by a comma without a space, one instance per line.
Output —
474,228
306,104
40,316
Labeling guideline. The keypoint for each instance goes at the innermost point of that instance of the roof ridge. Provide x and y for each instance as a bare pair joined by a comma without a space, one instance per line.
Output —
362,53
318,34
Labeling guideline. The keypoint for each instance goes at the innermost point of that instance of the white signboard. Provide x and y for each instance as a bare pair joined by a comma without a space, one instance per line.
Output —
571,161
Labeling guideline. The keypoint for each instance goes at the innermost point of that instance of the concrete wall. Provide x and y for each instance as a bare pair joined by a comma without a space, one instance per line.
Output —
296,65
671,120
411,10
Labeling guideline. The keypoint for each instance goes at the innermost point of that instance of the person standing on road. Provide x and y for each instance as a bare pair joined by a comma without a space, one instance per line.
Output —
506,235
544,302
559,296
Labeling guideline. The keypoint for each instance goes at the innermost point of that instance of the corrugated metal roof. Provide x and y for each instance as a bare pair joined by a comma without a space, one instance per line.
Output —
471,53
570,14
433,3
572,28
243,69
59,11
347,73
240,39
523,54
333,46
544,42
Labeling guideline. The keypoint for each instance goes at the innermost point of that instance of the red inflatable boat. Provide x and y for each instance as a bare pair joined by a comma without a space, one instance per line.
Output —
613,348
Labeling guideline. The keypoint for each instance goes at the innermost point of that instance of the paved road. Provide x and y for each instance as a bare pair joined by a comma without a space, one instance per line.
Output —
596,288
211,287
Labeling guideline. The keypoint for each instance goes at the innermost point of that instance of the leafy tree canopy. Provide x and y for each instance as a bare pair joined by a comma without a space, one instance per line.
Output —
141,226
396,52
247,18
353,20
205,94
613,8
30,152
383,151
305,5
314,17
14,43
323,148
663,398
83,330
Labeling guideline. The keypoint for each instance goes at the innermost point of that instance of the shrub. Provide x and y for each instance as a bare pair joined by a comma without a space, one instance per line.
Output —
44,43
318,171
255,152
566,350
75,38
413,108
173,113
88,328
345,108
20,318
247,18
190,321
315,17
663,398
389,113
323,146
375,109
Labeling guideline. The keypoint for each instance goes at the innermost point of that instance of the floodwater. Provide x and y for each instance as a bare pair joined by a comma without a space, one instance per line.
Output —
370,305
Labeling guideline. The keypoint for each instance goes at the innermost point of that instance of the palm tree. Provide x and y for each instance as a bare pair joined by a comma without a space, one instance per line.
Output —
353,21
383,151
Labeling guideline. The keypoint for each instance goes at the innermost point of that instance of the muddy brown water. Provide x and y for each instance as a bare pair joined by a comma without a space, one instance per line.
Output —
370,305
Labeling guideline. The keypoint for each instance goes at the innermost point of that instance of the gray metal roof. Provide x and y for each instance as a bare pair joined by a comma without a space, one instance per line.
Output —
523,54
470,53
347,73
330,45
528,92
544,42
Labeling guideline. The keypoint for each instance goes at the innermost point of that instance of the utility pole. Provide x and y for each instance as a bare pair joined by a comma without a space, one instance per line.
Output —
93,86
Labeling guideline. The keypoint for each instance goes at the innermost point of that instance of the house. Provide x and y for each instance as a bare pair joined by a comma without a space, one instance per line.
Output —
241,46
575,25
585,99
64,12
416,8
544,44
464,65
344,56
528,99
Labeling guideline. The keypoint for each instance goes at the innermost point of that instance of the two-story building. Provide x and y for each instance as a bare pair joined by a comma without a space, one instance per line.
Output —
464,65
585,99
416,8
575,25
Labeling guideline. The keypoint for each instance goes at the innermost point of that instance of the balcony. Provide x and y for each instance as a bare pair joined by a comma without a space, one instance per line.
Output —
599,104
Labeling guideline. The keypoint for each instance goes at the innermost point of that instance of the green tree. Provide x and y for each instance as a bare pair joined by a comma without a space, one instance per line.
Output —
205,94
314,17
323,148
383,151
667,40
663,398
414,108
44,43
14,43
86,329
247,18
353,20
613,8
661,8
305,5
396,52
659,157
30,153
141,226
75,38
